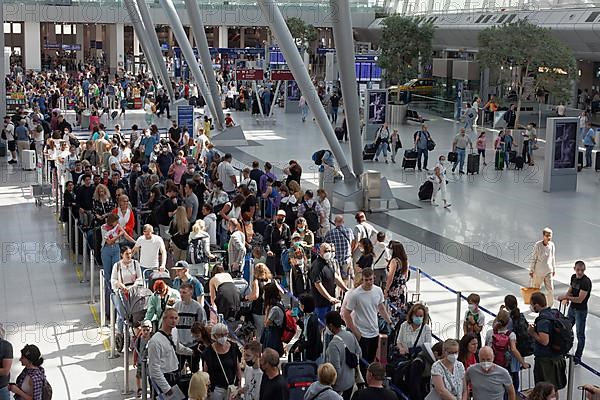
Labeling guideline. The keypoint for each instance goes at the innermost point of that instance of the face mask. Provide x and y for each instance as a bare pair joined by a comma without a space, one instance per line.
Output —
222,340
178,162
300,263
472,308
532,309
417,320
280,221
250,363
452,358
297,244
300,229
328,256
486,365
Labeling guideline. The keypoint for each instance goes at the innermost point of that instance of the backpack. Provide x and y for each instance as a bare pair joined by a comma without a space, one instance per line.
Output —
291,212
317,156
195,254
524,340
289,325
501,347
561,334
46,391
312,217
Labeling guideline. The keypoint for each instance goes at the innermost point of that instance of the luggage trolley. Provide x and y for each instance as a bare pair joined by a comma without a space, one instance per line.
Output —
42,194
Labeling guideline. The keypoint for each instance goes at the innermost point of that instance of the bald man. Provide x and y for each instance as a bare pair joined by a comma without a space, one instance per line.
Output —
150,246
488,380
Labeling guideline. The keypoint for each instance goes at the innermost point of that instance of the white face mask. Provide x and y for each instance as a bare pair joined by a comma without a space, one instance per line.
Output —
452,358
222,340
486,365
328,256
472,307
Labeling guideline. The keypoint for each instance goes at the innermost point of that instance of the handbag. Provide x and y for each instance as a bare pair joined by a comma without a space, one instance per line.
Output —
231,392
526,292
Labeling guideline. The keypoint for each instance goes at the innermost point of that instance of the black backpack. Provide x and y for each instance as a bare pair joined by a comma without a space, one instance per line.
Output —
291,212
317,157
524,340
196,254
561,334
312,217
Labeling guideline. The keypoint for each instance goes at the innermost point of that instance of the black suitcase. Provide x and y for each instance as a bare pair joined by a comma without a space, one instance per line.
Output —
473,163
339,133
409,160
499,160
369,151
114,114
580,156
512,156
426,190
597,167
299,376
519,162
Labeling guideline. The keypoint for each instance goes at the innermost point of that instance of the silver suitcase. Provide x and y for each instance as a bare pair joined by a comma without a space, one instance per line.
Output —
28,160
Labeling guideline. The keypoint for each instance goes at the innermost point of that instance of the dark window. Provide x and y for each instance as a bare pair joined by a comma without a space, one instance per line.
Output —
486,19
502,18
510,18
592,17
479,19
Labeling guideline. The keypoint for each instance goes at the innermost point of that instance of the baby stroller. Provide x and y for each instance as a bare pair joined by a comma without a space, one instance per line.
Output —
135,303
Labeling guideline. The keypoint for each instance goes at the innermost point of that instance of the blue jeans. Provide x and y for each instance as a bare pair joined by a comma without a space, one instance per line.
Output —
334,113
460,160
425,154
588,156
577,318
120,308
110,255
382,148
4,394
321,312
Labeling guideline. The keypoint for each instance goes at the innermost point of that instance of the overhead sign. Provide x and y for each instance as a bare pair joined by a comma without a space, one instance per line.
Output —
249,74
282,75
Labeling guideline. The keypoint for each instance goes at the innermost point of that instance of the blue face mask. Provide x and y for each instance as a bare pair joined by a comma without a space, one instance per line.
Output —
417,320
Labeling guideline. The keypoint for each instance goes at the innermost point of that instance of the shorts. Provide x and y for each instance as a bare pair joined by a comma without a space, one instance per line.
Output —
12,145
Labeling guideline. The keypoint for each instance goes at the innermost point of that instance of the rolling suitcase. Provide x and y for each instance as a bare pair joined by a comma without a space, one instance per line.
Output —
473,163
499,160
382,349
28,160
369,151
597,167
299,376
426,190
409,161
519,162
512,157
580,157
113,115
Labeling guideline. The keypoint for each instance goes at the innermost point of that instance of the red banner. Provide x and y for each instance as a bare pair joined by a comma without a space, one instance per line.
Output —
249,74
282,75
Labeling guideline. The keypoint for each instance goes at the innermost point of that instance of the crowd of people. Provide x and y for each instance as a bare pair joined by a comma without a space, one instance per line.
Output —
314,288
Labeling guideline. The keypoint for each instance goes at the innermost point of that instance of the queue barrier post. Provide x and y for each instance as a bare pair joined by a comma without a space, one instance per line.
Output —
418,282
92,274
570,377
76,233
458,312
144,379
102,300
70,227
85,260
112,353
126,390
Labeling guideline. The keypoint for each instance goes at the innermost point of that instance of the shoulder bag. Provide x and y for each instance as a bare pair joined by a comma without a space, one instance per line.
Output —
231,392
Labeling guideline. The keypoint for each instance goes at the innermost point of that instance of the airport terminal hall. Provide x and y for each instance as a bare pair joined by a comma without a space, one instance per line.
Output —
299,200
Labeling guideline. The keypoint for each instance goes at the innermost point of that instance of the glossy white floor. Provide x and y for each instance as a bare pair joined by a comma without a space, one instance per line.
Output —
44,303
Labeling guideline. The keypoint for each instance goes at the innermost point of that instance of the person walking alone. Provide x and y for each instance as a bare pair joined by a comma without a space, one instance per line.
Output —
543,265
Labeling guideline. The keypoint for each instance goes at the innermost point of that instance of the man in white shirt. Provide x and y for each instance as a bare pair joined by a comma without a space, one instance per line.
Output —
236,247
9,131
163,347
360,312
543,265
210,221
150,246
227,175
114,161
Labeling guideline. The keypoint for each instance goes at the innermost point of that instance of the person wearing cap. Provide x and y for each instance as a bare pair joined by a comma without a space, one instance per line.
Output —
375,390
163,347
182,273
277,237
335,353
6,359
30,382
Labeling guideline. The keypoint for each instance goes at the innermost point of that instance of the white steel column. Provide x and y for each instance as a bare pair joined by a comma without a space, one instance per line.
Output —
80,41
223,36
116,46
3,71
33,46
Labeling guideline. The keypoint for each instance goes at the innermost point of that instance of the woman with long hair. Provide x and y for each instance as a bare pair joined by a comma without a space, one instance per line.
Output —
467,350
365,261
262,276
274,319
395,286
543,391
102,204
179,229
125,214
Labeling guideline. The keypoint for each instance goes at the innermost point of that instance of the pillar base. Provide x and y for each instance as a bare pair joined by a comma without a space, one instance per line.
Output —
233,136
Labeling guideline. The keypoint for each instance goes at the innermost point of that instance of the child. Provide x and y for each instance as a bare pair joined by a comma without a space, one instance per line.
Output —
229,121
139,351
252,372
199,386
474,318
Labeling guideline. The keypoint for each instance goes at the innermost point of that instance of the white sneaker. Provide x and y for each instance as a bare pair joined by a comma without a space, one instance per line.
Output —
433,203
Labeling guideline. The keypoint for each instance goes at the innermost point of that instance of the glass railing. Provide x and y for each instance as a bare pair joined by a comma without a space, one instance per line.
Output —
432,105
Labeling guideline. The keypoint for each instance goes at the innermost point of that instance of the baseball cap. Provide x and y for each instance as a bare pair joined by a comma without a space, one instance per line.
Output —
281,213
181,264
147,324
296,235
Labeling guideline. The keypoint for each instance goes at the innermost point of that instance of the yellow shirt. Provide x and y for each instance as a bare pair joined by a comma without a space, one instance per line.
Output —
207,128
